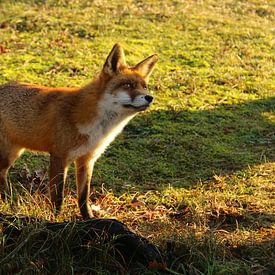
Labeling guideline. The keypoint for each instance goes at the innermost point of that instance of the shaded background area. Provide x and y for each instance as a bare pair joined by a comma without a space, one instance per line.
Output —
182,148
179,148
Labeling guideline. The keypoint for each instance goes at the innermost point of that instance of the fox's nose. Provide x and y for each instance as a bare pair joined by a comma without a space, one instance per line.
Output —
149,98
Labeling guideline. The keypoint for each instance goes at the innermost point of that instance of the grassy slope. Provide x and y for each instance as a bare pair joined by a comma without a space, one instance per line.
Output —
200,163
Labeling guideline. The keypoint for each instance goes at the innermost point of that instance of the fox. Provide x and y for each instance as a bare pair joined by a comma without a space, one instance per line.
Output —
72,125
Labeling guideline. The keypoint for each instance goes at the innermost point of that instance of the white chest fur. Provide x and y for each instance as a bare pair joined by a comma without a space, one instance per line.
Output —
101,132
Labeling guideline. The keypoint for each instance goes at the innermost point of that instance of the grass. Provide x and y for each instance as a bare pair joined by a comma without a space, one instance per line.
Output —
195,173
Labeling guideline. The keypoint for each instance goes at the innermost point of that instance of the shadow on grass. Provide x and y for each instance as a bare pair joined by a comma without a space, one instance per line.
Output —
182,147
260,255
193,256
248,220
41,246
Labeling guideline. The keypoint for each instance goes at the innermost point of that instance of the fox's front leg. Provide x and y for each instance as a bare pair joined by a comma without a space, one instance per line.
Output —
58,172
84,170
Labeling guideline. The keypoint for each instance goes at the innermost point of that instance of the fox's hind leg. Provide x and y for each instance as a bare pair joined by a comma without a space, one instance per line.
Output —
8,154
4,166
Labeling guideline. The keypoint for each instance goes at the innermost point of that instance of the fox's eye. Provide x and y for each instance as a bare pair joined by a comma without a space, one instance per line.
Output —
145,87
128,85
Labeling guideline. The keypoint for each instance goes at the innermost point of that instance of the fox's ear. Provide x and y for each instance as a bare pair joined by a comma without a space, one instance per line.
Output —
146,66
115,60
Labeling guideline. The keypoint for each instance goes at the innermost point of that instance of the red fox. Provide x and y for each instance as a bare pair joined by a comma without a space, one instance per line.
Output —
72,124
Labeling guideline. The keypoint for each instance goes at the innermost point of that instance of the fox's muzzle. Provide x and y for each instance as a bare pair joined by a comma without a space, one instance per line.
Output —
140,102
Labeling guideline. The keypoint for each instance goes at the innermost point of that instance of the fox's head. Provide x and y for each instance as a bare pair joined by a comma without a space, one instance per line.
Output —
127,86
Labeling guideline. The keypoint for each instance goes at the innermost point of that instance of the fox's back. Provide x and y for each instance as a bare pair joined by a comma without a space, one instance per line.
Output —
20,111
20,105
29,113
21,101
16,100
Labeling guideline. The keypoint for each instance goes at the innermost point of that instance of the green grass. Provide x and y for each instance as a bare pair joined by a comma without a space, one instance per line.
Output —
200,162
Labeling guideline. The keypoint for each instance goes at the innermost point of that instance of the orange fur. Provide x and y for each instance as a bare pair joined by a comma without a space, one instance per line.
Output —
72,124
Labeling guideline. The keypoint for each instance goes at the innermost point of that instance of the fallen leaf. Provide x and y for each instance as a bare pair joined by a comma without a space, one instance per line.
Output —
3,49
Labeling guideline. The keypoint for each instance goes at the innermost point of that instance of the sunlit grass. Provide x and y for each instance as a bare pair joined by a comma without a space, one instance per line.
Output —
195,173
